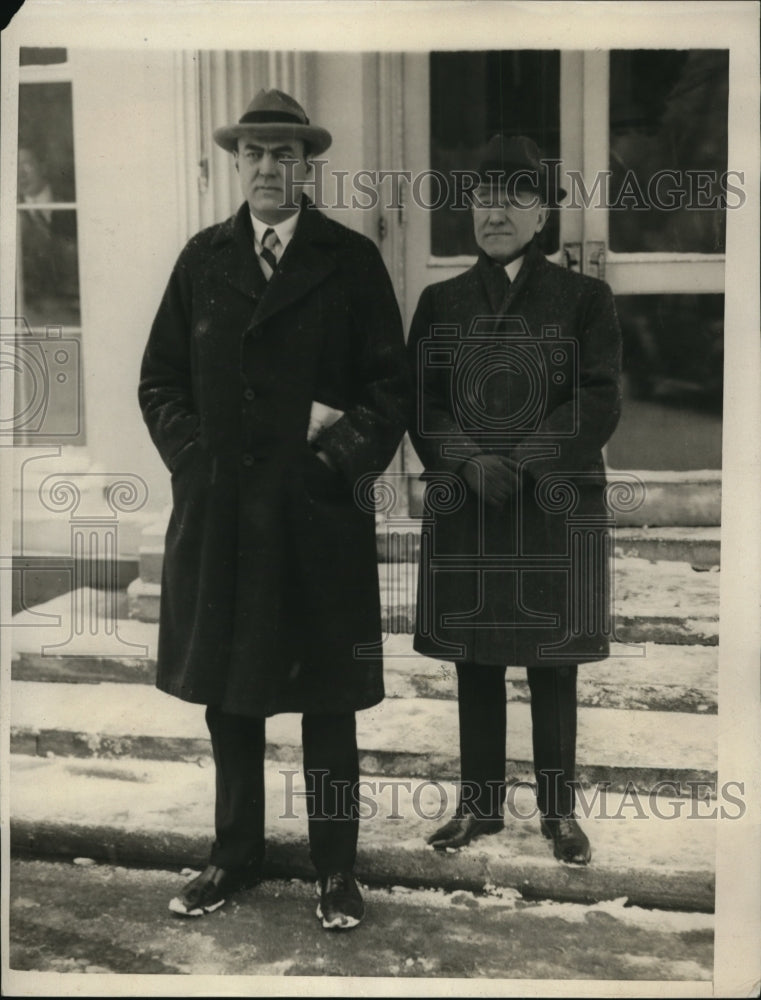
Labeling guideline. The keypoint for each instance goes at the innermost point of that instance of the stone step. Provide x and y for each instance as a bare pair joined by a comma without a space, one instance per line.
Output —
665,602
160,814
653,677
690,498
700,547
400,737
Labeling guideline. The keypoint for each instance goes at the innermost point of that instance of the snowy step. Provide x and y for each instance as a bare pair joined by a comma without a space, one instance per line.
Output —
699,547
690,498
666,602
160,814
400,736
650,677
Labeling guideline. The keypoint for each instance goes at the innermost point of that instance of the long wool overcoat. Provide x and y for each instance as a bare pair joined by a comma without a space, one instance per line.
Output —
270,578
533,374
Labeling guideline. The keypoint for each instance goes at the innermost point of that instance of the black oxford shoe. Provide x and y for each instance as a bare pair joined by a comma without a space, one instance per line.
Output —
460,830
569,842
209,890
341,906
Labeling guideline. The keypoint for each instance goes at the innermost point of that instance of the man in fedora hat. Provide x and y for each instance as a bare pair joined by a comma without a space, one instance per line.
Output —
273,380
517,368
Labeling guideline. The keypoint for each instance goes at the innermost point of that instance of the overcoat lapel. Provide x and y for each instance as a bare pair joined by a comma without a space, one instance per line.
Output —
237,258
306,263
502,304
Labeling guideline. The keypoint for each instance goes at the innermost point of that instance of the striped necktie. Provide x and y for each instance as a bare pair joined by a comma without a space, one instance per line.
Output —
270,247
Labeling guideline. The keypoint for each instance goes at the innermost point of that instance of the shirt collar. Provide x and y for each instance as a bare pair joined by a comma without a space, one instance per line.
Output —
284,229
513,267
45,194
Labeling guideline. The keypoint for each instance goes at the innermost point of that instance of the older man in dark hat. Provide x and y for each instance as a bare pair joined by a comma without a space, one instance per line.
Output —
517,367
273,380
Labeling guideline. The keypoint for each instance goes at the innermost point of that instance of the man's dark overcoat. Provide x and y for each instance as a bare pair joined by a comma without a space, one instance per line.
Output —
270,573
528,584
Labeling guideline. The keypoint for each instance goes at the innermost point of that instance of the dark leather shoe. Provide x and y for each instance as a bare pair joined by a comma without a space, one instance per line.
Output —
460,830
209,890
341,906
569,842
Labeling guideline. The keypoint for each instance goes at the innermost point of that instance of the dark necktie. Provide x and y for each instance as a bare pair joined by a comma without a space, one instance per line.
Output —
498,286
270,245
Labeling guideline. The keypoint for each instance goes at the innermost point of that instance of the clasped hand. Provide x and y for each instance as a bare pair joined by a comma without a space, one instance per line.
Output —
493,477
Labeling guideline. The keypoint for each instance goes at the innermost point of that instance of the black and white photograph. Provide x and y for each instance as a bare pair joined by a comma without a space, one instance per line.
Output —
380,549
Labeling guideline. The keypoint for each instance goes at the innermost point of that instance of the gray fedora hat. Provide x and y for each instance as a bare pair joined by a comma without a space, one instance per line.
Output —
274,114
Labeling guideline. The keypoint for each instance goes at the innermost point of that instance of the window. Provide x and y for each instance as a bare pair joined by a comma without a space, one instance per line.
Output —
48,335
473,96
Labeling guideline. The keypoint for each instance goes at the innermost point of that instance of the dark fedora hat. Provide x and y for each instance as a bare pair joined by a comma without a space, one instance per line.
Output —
273,114
517,161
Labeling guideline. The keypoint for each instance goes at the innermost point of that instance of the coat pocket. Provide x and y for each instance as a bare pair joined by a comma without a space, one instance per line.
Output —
323,483
185,455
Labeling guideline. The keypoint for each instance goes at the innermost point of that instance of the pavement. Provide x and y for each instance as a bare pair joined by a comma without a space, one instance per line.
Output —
64,920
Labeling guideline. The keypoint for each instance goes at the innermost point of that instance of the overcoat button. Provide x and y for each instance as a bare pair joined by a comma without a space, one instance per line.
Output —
249,394
248,459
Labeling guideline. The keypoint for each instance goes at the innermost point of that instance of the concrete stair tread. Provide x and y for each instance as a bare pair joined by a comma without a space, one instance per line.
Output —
641,588
161,813
666,678
651,676
698,546
709,533
398,730
48,625
659,602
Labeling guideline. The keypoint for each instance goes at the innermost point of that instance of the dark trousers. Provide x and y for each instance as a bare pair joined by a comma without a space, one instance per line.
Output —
483,729
331,773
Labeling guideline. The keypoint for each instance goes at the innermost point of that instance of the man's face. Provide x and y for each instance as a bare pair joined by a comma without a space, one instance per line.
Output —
266,183
30,177
503,223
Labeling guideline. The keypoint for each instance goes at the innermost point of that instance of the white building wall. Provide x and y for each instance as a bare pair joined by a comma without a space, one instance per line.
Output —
142,122
126,113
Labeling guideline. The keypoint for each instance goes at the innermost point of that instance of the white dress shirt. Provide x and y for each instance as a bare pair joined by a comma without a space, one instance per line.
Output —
284,230
513,267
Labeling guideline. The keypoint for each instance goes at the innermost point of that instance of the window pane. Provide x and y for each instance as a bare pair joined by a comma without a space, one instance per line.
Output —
41,57
668,111
673,374
46,143
48,405
473,96
48,278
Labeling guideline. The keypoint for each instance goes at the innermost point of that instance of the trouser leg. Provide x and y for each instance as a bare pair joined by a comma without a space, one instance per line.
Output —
331,774
483,727
553,718
238,745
